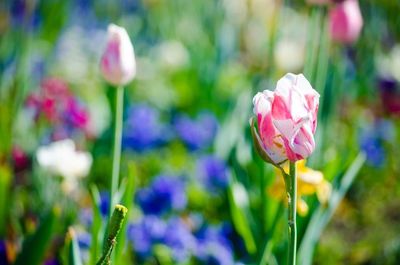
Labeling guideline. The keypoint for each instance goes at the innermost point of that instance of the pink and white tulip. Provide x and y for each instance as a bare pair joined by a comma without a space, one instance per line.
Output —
287,119
118,64
345,21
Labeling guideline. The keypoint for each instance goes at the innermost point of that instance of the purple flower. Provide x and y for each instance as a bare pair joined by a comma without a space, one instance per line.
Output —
387,84
390,95
51,261
196,134
3,252
165,193
143,129
76,115
213,173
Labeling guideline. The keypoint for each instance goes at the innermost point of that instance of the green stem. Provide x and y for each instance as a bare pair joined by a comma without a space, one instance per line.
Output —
292,202
119,108
114,228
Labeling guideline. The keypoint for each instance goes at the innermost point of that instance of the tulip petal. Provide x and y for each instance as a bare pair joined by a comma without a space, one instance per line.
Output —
118,64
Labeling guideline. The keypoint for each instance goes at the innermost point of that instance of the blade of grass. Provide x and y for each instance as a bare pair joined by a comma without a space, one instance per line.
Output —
5,182
238,202
74,255
127,200
323,214
97,231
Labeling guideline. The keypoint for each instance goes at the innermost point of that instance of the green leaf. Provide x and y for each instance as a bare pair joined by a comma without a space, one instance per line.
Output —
74,255
323,214
35,246
238,201
5,181
127,200
97,228
233,127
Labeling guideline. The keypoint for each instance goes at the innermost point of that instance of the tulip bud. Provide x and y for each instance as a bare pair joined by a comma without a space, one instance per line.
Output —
345,21
118,64
287,120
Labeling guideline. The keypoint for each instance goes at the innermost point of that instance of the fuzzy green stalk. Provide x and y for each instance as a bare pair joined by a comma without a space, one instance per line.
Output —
114,228
119,108
292,202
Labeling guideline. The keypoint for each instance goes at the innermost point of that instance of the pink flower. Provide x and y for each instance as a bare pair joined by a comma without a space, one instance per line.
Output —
287,119
58,106
345,21
118,63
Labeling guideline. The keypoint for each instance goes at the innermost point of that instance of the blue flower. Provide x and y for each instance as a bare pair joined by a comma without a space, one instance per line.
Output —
385,130
179,239
213,173
151,231
372,139
373,148
25,13
143,129
213,247
148,231
165,194
86,217
196,134
215,254
84,239
104,203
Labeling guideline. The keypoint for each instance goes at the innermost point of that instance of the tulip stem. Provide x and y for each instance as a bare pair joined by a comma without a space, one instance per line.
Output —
119,108
292,203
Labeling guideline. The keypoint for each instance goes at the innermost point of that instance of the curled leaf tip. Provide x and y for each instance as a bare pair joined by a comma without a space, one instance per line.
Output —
122,209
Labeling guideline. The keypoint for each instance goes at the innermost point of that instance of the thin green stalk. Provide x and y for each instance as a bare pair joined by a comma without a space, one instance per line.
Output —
292,202
119,108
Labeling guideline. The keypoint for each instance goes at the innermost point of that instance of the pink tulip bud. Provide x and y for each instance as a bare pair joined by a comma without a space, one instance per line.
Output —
287,119
118,63
345,21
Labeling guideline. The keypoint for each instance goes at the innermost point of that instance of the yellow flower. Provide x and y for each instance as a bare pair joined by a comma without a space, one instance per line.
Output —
309,181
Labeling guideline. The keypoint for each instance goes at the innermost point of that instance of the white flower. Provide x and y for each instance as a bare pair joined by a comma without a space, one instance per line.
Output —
62,159
289,55
173,54
389,64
